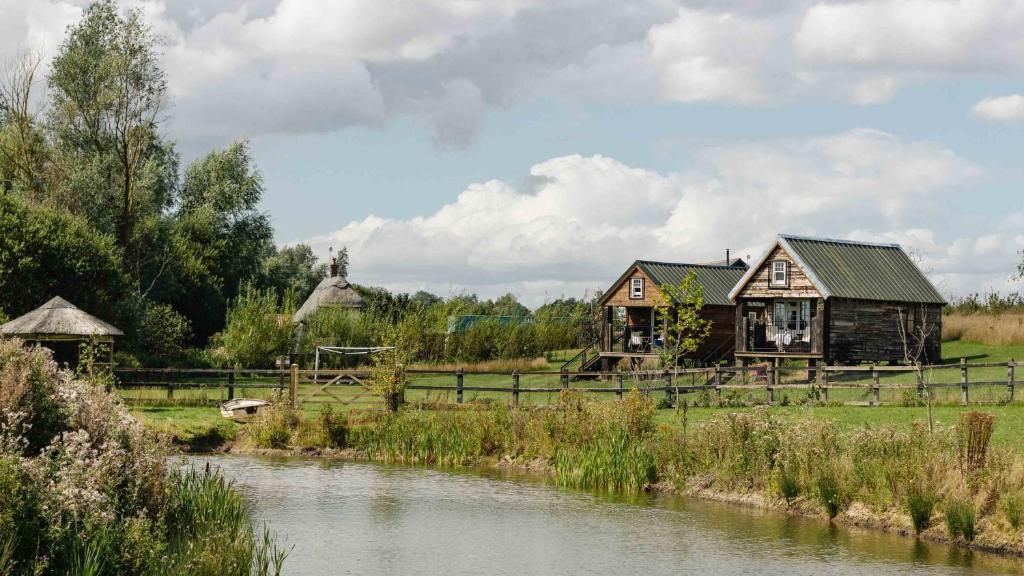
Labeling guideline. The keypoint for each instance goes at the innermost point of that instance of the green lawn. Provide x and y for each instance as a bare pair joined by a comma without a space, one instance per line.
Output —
192,412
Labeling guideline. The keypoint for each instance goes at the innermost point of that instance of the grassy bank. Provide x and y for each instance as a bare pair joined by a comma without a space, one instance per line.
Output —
959,483
85,488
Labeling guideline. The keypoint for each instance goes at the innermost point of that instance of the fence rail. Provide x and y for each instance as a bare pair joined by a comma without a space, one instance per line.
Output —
769,379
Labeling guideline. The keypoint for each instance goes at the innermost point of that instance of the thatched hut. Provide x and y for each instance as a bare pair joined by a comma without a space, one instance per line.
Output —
61,326
332,292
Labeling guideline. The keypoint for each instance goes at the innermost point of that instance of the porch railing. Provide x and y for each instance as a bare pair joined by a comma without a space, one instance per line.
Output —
781,339
635,339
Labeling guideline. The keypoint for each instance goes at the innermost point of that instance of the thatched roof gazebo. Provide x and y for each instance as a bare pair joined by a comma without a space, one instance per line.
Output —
61,322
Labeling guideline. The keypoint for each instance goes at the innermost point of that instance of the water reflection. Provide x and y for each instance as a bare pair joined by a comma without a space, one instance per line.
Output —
355,518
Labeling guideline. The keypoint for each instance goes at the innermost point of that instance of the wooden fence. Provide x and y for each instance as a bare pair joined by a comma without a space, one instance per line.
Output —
307,385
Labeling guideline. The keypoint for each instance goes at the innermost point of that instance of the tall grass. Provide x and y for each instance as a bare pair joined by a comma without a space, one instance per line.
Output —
210,533
1005,329
610,462
961,517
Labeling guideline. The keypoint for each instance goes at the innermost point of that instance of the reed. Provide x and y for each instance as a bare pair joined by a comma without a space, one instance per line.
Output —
920,501
961,517
1012,506
1005,329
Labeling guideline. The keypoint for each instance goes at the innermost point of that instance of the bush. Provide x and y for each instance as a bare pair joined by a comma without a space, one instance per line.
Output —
830,491
273,426
960,517
84,488
787,481
919,501
328,430
1012,506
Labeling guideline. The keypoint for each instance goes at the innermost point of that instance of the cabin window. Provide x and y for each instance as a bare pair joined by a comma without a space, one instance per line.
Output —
780,273
636,289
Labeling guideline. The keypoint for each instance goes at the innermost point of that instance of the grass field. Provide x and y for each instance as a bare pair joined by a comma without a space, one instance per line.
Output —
191,414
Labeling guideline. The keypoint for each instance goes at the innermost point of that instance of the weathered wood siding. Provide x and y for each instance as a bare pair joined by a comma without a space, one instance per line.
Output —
759,285
861,331
723,328
620,294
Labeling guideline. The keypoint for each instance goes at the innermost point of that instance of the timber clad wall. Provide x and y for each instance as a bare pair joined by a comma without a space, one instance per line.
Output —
869,331
723,328
620,297
800,285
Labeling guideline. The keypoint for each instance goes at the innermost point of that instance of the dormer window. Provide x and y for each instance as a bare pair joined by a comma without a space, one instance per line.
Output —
636,289
780,274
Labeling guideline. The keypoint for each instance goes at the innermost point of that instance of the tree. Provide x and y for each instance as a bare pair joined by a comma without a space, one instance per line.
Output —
293,268
24,150
508,305
107,94
220,239
257,328
46,251
686,328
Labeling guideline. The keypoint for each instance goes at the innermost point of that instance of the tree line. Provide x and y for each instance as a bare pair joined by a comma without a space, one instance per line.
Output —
97,206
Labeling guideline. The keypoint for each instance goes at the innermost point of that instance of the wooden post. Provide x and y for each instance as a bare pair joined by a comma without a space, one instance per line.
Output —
770,380
515,387
565,378
964,397
672,396
1009,378
293,387
823,383
717,380
875,386
231,385
170,390
459,376
618,380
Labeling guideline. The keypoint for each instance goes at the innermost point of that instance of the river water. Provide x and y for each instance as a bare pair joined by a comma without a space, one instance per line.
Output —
370,519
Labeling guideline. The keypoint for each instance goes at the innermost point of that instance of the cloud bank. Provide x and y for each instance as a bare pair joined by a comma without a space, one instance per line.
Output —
293,66
585,219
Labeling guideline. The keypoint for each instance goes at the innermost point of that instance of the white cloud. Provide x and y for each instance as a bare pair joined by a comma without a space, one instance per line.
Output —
271,66
1001,109
914,34
585,218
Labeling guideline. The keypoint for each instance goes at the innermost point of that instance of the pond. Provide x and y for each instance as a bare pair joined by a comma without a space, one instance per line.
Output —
368,519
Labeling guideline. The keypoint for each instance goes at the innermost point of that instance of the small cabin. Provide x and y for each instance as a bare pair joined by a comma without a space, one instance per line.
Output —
630,326
837,301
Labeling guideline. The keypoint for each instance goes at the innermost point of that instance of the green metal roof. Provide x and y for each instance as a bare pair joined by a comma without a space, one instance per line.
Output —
716,280
861,270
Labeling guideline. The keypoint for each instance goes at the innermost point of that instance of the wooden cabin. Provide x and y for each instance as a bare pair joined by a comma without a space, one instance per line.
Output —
630,327
837,301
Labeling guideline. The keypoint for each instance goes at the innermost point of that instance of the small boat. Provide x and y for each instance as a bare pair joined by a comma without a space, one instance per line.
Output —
242,409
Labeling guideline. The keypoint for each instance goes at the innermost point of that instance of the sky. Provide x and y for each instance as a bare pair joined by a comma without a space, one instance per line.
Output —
539,147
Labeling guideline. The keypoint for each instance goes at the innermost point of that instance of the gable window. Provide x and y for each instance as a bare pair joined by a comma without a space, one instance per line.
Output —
636,289
780,273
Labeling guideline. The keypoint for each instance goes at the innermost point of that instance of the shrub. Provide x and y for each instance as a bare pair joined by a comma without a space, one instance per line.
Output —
273,426
1012,506
787,481
30,407
919,501
830,491
974,432
328,430
960,517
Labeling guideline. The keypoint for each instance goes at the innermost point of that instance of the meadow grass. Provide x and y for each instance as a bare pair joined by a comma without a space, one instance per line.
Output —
990,329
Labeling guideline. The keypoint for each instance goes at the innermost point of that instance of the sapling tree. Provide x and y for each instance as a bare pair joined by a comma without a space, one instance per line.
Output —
685,328
914,337
387,370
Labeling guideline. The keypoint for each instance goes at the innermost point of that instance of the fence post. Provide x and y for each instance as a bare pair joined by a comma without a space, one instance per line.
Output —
170,390
770,379
875,386
231,385
459,376
717,380
293,387
963,382
618,381
823,381
565,378
1009,377
515,387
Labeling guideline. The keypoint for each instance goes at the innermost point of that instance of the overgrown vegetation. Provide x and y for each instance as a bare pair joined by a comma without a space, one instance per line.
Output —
86,489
